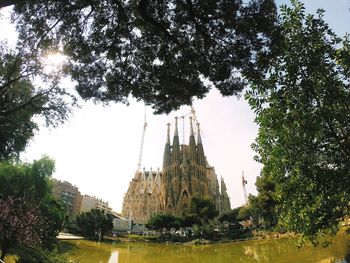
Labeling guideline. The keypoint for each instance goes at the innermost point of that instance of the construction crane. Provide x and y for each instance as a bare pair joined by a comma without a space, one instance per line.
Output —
142,140
244,182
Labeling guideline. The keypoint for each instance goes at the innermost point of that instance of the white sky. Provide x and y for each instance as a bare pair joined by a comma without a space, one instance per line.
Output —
97,149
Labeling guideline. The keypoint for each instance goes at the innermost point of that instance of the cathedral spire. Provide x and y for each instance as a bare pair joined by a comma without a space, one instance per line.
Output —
223,186
224,198
191,127
168,134
199,138
200,150
167,150
192,143
176,132
176,143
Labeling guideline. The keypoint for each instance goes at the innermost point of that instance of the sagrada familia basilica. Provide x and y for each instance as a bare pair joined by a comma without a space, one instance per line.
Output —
185,172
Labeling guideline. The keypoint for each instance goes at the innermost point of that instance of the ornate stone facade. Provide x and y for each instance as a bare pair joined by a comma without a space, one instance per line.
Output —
185,172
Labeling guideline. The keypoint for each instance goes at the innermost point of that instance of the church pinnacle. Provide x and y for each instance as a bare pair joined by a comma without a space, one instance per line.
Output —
167,149
199,138
192,143
176,143
176,132
200,150
168,134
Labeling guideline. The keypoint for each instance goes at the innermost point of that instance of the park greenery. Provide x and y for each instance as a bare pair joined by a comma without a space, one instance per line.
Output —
162,52
302,108
94,224
30,217
201,220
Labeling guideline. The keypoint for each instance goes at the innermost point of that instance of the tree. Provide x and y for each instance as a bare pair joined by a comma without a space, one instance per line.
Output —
29,216
94,223
231,223
21,100
26,180
202,208
250,211
265,201
231,216
20,224
161,221
156,51
54,213
302,108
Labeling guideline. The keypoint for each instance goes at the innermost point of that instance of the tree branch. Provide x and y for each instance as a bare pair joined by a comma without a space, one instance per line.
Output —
30,102
11,81
142,8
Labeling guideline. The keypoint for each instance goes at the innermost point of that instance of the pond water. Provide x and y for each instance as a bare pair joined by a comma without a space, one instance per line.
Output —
276,250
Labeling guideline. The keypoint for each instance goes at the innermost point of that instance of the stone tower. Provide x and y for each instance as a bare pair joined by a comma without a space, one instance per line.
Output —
185,172
225,205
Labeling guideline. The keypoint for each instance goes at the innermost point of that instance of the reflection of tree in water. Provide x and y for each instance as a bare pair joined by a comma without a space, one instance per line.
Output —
285,250
92,256
160,253
91,252
276,250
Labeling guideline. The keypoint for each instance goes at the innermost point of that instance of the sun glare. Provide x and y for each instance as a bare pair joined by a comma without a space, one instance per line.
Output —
53,62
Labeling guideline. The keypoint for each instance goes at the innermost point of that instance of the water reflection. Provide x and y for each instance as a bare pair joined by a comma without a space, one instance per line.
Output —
114,257
281,250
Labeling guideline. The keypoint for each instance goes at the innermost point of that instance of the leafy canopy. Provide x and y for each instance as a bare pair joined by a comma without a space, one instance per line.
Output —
302,108
94,223
22,98
167,221
160,52
202,208
156,51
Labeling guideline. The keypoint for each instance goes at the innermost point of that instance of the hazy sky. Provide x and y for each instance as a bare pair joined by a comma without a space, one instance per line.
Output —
97,149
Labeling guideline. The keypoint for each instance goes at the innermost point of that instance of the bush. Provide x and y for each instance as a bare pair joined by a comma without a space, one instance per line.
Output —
38,255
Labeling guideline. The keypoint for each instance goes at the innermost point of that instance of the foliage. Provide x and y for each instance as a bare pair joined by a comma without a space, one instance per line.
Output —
71,226
235,230
21,100
302,108
94,223
157,51
20,224
209,231
231,226
30,217
249,211
231,216
265,201
26,180
261,209
54,213
35,255
202,208
188,220
164,221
